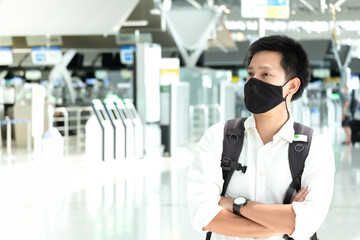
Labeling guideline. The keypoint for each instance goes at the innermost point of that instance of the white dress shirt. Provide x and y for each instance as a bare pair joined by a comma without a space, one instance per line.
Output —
266,180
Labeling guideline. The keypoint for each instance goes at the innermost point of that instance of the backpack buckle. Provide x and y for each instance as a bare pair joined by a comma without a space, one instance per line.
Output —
286,237
241,168
225,163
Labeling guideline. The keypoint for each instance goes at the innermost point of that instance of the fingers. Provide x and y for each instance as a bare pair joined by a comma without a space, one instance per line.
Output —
301,195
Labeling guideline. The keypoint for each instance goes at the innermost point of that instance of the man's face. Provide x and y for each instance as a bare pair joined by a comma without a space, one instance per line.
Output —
265,66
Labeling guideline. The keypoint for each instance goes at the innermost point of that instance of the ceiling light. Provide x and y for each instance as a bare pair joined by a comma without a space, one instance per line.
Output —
155,11
136,23
225,9
116,28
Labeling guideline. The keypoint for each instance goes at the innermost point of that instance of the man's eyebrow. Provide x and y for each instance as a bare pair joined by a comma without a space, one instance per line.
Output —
261,67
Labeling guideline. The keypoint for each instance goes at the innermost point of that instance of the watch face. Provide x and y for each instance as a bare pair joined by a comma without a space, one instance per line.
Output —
239,200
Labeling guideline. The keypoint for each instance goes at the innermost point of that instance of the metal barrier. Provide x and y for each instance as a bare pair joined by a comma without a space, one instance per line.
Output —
73,119
80,127
8,122
201,117
65,120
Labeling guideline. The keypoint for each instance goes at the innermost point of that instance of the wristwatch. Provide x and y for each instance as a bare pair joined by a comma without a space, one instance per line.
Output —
238,203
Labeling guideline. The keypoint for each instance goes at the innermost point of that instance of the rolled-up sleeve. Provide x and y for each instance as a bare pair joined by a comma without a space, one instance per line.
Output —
318,175
205,178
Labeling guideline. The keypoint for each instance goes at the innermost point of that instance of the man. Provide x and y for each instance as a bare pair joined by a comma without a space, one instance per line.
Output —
345,120
276,65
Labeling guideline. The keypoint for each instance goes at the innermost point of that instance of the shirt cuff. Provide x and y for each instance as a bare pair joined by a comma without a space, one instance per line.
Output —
301,221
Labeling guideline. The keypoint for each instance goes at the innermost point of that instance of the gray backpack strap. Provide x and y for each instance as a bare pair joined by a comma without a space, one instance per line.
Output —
234,132
232,145
298,152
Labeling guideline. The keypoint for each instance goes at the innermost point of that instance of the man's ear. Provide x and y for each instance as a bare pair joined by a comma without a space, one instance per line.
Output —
294,85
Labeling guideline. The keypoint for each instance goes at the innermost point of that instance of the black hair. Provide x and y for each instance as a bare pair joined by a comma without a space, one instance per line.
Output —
294,58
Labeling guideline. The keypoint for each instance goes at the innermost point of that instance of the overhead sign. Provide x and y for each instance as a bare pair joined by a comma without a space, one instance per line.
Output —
265,9
33,75
127,55
46,55
6,41
42,40
6,56
254,8
129,38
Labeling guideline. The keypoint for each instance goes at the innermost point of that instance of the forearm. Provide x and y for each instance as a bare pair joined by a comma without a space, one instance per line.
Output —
276,217
229,224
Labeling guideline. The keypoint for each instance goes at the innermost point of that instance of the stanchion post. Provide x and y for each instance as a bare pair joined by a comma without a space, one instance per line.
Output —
8,136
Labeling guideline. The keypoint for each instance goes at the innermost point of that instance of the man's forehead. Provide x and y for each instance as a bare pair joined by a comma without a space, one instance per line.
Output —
266,60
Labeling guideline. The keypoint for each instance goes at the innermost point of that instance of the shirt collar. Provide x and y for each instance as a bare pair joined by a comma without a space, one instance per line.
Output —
250,123
286,132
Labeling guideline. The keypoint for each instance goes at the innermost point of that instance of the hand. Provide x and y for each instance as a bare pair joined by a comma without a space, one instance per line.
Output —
301,195
226,203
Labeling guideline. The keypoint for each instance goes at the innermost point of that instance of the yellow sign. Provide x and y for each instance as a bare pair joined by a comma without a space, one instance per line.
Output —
277,9
277,12
170,71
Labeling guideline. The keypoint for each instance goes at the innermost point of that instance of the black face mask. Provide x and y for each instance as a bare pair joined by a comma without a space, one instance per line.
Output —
261,97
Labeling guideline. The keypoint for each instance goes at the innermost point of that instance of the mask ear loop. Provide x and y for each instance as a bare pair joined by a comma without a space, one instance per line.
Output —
287,109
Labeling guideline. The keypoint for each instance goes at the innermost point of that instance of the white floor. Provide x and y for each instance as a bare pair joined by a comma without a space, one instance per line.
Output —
133,200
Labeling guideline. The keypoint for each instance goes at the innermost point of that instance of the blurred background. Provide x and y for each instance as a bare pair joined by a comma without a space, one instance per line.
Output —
102,104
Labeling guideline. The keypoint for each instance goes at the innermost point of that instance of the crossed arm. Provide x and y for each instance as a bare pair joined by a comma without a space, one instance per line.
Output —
260,220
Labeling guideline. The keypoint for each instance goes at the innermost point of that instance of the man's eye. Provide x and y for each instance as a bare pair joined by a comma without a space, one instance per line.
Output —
250,74
266,74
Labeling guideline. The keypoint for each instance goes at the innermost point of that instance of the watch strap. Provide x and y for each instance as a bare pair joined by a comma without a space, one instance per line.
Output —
236,210
236,207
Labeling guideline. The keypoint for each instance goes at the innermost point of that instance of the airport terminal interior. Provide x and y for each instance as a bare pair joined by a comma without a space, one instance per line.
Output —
102,104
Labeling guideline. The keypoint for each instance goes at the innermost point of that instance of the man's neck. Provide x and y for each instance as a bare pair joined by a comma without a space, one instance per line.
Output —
270,123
